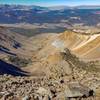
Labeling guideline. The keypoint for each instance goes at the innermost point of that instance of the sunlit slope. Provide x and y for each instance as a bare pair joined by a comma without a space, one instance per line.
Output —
84,46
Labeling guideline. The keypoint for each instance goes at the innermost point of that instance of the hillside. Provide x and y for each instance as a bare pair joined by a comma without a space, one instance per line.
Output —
57,66
6,68
14,44
84,46
60,61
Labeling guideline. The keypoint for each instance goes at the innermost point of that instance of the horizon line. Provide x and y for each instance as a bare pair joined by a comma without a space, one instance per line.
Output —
49,6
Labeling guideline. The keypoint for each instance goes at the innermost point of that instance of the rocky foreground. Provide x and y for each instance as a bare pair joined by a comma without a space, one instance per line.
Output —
58,84
81,85
28,88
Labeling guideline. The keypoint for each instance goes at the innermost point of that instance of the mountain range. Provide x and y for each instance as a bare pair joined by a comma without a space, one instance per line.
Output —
87,15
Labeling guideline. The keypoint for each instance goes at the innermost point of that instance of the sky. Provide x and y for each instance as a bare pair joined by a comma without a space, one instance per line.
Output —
52,2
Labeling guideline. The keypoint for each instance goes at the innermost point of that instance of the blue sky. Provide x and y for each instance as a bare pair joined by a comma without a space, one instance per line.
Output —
52,2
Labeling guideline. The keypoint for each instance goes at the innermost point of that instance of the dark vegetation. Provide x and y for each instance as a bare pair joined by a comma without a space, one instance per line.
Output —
74,61
20,62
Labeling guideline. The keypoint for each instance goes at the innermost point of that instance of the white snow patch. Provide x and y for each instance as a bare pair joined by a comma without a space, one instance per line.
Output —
58,44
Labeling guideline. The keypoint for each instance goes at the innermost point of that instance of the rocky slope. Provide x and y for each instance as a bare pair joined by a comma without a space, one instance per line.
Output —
12,43
59,60
57,69
84,46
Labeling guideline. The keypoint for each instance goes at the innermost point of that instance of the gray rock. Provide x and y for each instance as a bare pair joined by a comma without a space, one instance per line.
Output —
42,91
26,98
46,94
75,90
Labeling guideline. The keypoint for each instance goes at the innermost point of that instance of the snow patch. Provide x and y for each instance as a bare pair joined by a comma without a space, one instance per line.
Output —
58,44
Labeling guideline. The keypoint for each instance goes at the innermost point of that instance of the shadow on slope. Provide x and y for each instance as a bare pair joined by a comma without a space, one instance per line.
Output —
6,50
6,68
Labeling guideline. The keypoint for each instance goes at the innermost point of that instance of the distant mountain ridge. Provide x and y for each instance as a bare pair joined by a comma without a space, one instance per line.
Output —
74,7
66,15
28,7
88,7
21,7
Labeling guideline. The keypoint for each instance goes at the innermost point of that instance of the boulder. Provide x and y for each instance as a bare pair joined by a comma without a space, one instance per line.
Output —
76,90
